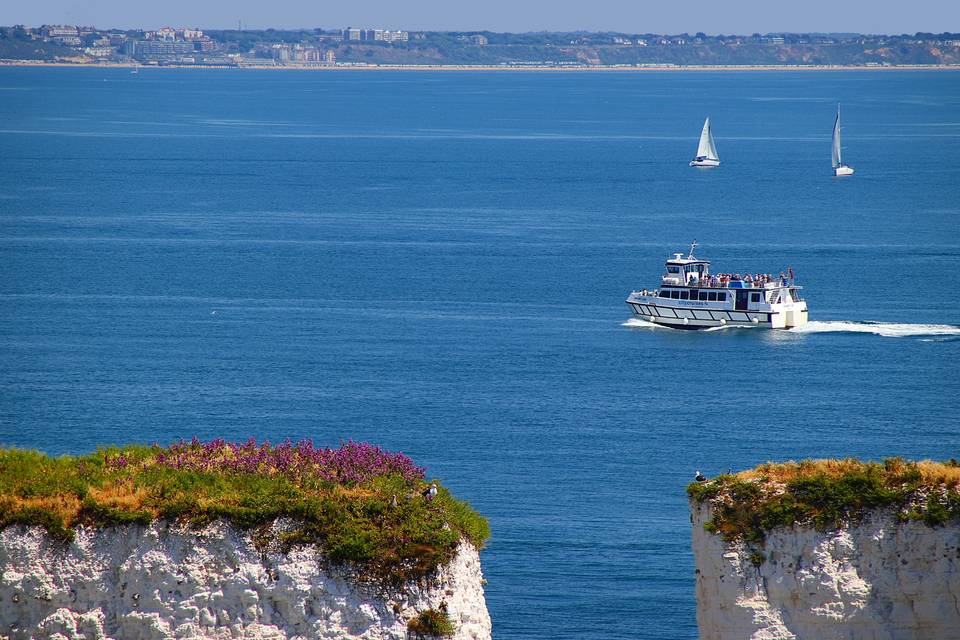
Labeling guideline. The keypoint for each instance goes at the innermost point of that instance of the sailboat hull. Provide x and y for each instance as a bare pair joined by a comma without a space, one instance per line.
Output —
706,162
843,171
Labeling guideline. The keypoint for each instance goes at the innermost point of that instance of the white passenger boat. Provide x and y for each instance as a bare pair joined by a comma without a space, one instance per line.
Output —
839,169
707,149
691,297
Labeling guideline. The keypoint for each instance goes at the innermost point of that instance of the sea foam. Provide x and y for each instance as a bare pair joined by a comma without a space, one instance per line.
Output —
885,329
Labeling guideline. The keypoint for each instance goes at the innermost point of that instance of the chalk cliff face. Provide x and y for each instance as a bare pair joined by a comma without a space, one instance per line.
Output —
878,579
164,581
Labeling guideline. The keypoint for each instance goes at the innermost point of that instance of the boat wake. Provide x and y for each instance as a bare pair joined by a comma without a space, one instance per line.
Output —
728,327
885,329
637,323
931,332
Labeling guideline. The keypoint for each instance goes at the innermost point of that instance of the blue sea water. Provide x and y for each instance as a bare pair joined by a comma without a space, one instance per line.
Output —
437,262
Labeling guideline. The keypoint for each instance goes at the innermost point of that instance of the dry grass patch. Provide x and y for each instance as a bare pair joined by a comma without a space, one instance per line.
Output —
828,494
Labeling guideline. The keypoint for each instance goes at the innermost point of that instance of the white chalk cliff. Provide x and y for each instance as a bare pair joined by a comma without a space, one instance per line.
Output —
164,581
879,579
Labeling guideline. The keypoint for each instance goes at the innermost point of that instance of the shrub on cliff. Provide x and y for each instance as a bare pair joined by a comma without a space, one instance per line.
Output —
826,494
431,624
358,505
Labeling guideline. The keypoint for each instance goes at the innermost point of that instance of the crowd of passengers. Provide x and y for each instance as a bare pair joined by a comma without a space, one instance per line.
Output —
753,280
718,280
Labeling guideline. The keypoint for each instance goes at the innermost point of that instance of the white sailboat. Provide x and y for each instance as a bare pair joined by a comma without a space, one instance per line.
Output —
839,169
706,150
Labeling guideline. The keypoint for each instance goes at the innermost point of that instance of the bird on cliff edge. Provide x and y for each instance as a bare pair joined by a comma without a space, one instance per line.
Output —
430,493
700,477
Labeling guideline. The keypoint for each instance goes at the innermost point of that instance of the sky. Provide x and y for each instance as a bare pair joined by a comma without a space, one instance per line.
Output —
629,16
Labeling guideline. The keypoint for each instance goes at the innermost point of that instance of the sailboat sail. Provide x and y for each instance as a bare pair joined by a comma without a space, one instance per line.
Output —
707,148
835,155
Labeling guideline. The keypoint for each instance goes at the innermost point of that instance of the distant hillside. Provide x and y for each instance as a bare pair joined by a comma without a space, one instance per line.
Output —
712,53
314,47
14,47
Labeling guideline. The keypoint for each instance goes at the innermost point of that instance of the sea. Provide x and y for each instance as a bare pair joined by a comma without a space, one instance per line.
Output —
437,262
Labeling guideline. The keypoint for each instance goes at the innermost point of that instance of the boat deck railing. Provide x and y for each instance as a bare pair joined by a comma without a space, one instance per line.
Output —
732,284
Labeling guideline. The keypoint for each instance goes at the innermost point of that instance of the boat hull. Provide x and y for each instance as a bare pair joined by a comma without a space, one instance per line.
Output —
843,171
781,316
705,163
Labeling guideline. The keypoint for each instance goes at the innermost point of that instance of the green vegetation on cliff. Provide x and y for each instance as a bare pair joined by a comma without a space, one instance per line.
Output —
358,505
828,493
431,624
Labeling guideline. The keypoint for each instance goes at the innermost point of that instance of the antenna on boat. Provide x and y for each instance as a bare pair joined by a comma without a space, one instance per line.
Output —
693,246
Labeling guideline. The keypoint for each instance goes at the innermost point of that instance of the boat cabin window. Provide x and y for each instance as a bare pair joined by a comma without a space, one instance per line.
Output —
673,268
704,295
684,295
721,296
675,294
754,297
664,294
794,296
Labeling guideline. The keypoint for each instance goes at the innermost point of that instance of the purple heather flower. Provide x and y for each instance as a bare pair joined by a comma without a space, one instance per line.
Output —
352,463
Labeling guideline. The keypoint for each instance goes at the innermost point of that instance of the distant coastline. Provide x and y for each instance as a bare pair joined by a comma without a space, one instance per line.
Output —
503,67
470,50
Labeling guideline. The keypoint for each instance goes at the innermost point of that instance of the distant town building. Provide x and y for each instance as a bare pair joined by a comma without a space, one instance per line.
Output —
479,39
301,53
374,35
187,33
58,31
282,53
329,56
100,52
166,34
298,53
157,48
396,36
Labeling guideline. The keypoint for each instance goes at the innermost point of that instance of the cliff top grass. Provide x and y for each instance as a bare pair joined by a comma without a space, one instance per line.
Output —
358,505
828,494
